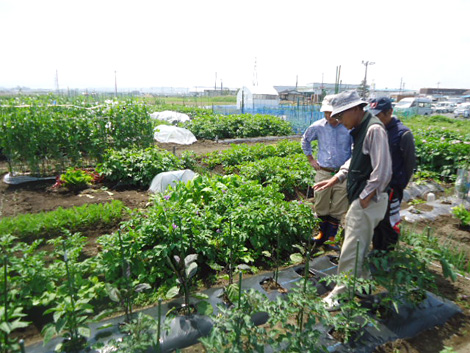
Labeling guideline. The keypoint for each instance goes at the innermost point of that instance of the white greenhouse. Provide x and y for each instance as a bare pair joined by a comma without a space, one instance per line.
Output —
257,96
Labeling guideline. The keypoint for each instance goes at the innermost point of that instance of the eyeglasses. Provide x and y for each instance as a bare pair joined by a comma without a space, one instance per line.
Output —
339,116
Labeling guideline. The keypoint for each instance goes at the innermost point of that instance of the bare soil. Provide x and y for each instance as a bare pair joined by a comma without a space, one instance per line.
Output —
38,196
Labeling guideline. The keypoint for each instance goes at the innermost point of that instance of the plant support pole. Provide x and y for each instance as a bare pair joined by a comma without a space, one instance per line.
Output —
5,274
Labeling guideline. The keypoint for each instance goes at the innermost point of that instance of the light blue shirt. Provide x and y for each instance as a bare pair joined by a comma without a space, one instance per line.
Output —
334,143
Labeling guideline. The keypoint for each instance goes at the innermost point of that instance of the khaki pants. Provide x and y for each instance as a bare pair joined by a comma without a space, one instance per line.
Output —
332,201
360,224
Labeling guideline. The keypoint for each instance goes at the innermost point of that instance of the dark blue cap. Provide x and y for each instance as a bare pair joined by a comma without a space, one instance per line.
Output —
381,104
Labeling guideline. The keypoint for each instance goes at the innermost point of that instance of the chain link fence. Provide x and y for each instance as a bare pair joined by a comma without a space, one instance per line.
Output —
300,116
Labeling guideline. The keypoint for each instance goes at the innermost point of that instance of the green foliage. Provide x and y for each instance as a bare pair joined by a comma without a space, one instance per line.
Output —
405,276
49,224
462,214
72,303
46,139
194,218
292,324
237,126
442,144
140,336
289,173
137,167
352,317
76,179
427,248
11,313
242,153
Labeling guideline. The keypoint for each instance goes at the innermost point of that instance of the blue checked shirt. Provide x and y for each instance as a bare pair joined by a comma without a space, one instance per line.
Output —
334,143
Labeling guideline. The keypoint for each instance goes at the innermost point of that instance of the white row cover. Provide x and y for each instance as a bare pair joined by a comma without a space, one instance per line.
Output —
163,180
170,116
173,134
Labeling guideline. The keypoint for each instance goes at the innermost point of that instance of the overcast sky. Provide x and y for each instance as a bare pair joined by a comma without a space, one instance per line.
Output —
188,43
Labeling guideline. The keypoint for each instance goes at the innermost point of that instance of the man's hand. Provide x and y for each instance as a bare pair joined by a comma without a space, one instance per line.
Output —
313,162
365,202
322,185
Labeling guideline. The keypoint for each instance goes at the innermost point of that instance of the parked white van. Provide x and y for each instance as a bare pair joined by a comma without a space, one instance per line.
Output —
414,106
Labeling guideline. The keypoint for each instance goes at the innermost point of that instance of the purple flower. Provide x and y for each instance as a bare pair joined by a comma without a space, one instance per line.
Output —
218,231
166,197
174,226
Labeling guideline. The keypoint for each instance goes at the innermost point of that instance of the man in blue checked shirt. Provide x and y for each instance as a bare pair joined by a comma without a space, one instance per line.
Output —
334,148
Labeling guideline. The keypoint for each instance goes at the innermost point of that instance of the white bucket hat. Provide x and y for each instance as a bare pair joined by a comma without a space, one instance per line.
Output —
346,100
326,103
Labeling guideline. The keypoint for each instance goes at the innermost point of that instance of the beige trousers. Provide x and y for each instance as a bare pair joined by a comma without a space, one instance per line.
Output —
360,224
332,201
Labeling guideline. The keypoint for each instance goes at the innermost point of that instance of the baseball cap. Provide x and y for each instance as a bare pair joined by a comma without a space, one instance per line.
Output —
379,105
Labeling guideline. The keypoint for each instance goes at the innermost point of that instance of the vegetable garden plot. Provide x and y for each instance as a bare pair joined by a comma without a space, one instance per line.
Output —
183,331
44,140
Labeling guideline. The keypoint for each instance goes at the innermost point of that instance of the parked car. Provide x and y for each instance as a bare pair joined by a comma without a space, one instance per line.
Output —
444,107
462,110
418,106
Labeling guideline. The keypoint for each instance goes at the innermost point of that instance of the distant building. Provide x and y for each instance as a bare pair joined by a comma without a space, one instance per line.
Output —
443,91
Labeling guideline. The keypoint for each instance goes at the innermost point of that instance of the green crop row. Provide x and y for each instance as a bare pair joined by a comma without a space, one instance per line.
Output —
51,224
292,173
238,154
237,126
46,139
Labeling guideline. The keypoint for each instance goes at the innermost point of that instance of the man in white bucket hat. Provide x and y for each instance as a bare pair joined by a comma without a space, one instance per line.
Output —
368,174
334,149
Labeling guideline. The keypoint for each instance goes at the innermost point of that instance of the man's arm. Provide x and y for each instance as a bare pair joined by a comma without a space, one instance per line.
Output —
376,146
306,143
407,146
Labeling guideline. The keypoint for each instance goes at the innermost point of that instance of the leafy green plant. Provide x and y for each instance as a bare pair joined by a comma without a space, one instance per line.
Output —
60,136
352,316
74,179
137,167
185,269
141,336
242,153
124,293
11,315
233,126
70,314
290,173
461,213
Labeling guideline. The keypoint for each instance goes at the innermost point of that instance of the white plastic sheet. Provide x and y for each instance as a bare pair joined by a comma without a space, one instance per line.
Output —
179,135
170,116
163,180
12,179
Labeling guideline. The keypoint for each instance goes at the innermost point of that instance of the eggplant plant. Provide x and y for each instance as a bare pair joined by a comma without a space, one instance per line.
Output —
124,294
184,269
11,316
70,315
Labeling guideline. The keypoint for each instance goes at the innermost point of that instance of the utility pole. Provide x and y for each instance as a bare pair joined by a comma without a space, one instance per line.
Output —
337,79
255,75
57,81
115,84
364,84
